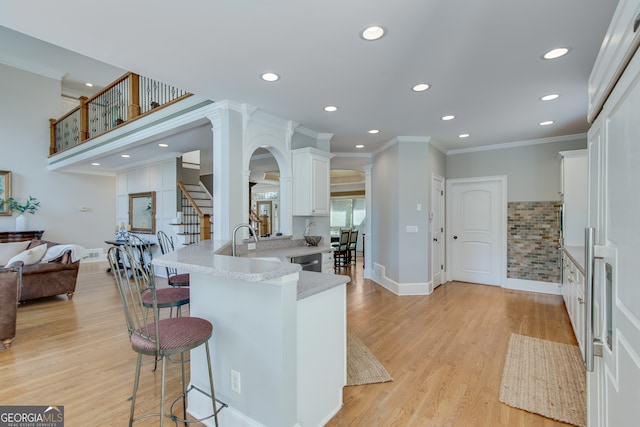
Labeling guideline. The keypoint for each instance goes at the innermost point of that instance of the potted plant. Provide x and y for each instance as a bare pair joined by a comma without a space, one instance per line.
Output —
30,206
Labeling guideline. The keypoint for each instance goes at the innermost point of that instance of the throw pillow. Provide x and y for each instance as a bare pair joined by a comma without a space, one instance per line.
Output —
30,256
11,249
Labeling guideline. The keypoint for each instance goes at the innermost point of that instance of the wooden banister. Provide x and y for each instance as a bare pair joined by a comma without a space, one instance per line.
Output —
205,219
136,88
84,118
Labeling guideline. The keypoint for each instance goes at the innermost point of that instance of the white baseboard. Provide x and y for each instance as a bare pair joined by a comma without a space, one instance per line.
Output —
226,417
401,289
533,286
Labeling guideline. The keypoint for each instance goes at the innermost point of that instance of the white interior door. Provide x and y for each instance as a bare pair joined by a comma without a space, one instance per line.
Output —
614,207
476,230
437,230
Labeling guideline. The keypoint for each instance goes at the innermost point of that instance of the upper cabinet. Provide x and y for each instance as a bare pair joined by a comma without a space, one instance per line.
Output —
574,196
311,182
619,45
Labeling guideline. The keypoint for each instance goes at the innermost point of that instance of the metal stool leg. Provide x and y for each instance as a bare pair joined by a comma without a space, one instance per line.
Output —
136,382
164,365
213,395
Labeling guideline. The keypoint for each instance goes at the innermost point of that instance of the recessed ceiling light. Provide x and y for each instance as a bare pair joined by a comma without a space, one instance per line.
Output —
373,131
330,108
126,156
163,145
546,123
88,84
449,117
420,87
463,135
550,97
374,32
556,53
270,77
95,164
360,146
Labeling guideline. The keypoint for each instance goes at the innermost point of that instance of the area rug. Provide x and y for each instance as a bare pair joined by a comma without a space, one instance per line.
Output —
362,365
546,378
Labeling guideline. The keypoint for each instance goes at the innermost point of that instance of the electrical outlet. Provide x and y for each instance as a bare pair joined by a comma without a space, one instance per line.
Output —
251,246
235,381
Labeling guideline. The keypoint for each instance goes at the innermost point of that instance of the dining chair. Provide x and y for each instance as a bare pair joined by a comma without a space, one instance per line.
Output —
166,246
341,250
353,243
140,251
161,338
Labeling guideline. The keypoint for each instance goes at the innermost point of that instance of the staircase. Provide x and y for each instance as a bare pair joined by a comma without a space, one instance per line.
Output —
196,208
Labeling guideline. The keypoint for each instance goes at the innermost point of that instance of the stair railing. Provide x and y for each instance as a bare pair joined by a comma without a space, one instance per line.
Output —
129,98
201,227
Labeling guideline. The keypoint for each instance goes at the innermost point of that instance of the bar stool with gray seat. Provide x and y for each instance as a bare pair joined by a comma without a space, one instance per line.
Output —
140,251
151,336
166,246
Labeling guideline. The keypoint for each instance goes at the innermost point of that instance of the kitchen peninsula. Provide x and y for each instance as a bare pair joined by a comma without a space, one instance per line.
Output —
279,332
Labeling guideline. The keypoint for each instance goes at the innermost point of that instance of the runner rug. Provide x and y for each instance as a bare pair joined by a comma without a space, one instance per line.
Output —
546,378
362,365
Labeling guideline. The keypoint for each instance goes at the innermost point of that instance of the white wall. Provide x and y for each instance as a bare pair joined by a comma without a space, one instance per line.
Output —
533,171
414,186
28,102
160,178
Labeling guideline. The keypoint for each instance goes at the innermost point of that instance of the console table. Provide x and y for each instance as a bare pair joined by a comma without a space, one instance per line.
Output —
20,236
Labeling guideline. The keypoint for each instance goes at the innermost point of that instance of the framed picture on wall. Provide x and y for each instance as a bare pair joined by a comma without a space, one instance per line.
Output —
5,191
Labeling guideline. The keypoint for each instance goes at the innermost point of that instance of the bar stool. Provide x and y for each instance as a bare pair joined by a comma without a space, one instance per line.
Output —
160,338
166,246
170,298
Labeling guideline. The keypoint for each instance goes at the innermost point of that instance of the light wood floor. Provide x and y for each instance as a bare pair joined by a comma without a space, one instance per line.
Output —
445,352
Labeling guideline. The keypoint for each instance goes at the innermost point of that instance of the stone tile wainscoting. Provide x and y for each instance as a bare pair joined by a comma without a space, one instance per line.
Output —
533,240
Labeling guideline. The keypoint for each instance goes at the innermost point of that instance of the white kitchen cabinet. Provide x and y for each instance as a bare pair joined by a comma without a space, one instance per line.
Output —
327,262
617,48
613,371
311,182
573,187
573,294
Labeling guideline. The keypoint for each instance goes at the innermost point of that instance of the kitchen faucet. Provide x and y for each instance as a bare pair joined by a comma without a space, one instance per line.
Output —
233,241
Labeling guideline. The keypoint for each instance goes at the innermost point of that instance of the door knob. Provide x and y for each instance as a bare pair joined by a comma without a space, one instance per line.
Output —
455,237
435,239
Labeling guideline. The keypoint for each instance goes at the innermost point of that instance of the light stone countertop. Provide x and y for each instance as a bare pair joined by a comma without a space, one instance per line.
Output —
286,253
311,283
203,258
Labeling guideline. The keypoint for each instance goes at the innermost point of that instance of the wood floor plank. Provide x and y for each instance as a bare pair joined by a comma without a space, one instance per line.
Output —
445,352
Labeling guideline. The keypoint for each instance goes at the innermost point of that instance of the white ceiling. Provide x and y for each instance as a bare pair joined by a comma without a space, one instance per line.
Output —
482,59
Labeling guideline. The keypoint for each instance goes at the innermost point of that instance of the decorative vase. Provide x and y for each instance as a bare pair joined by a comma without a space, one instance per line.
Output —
21,222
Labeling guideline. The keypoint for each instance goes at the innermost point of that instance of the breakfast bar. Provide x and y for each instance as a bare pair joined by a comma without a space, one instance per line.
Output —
279,341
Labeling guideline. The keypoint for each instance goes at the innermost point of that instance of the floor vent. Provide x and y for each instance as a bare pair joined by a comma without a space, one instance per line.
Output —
94,255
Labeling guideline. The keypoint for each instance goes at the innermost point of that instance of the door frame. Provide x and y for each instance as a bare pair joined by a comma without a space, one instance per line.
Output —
502,180
442,243
268,203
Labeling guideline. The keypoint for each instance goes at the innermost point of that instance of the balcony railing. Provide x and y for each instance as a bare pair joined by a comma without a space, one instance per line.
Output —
128,98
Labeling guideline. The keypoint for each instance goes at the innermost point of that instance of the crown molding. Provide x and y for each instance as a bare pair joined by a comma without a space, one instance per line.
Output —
517,144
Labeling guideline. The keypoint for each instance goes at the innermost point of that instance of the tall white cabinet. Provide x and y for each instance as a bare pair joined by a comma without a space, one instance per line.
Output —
613,379
311,185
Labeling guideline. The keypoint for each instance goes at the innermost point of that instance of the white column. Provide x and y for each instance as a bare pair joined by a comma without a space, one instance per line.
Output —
221,162
286,205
